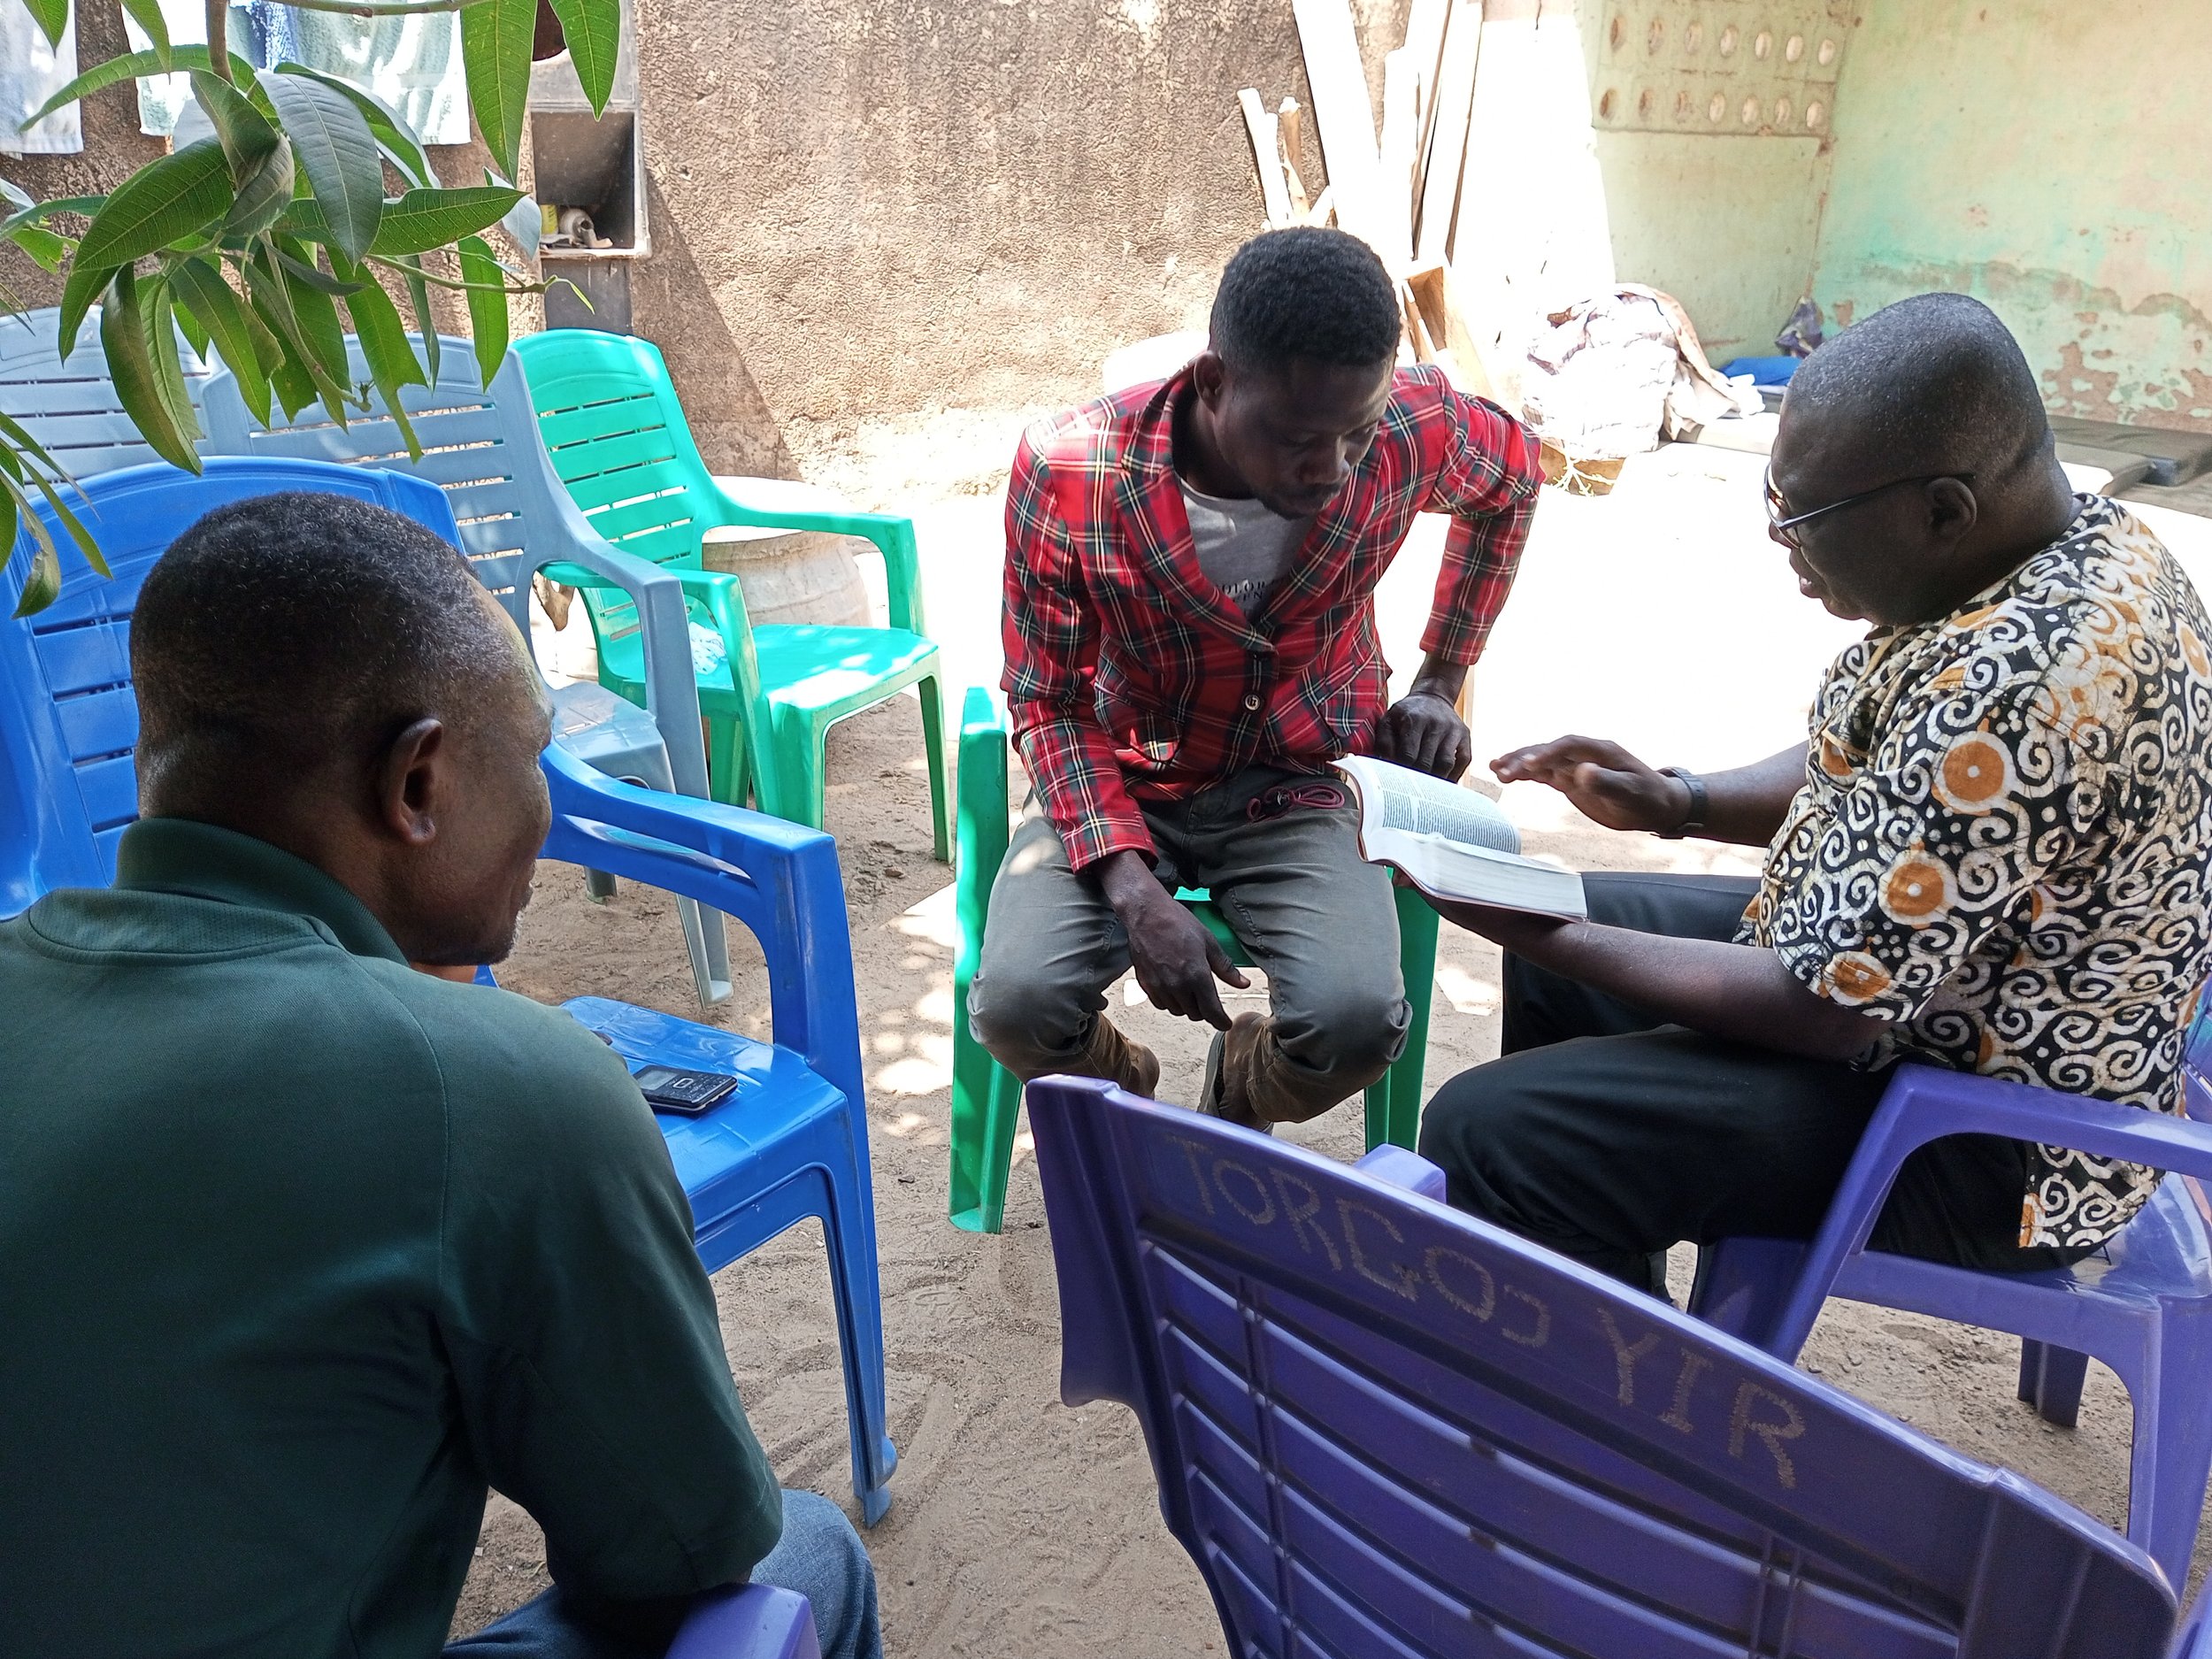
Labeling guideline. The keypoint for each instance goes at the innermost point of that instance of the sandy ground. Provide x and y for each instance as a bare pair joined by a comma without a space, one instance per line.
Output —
1660,616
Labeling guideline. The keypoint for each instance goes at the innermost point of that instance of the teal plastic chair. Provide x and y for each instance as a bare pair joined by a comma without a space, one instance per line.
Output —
986,1097
617,433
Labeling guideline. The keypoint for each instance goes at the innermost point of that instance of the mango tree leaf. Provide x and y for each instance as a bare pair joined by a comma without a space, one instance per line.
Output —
161,202
593,30
52,17
314,276
211,303
189,326
45,247
425,323
147,15
318,315
397,138
39,213
525,221
44,472
157,314
497,36
297,378
128,348
247,137
391,359
335,150
265,195
13,196
84,284
130,66
487,304
424,219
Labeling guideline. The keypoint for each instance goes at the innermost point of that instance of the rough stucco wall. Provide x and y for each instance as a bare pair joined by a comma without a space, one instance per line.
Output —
896,205
2051,158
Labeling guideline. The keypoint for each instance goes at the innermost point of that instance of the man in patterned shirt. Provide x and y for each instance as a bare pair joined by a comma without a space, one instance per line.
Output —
1190,642
1989,855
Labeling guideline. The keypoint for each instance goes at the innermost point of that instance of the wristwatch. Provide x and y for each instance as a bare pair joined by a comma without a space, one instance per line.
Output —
1695,824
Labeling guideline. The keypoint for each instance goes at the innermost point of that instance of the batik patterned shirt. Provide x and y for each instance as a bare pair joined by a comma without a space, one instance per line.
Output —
2000,846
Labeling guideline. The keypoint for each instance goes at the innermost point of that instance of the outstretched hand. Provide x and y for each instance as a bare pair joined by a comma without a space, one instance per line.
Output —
1604,781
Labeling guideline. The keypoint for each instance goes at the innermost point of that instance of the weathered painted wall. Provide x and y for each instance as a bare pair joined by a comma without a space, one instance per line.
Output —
2052,158
1714,124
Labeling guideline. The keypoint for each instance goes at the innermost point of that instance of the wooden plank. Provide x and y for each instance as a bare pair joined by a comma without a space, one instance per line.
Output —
1259,126
1461,347
1424,42
1447,138
1393,233
1343,115
1290,121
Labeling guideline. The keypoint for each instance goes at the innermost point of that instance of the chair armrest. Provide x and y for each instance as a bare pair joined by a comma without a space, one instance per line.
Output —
743,504
1924,1104
1408,1171
753,1621
779,880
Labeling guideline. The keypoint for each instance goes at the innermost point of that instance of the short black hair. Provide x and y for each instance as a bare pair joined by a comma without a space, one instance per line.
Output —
1935,383
1306,293
284,632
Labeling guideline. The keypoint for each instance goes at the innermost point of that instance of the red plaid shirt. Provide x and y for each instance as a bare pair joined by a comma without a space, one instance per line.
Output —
1130,676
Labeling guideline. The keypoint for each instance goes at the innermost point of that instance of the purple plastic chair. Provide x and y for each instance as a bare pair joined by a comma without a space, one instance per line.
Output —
1386,1429
753,1621
2143,1304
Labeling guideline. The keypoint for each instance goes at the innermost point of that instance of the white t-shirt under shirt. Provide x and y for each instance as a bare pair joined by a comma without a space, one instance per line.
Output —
1243,549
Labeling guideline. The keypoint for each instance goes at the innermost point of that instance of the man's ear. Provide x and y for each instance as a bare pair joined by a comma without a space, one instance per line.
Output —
1953,512
410,782
1210,376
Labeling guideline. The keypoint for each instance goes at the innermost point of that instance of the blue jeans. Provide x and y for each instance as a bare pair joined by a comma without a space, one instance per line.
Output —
819,1556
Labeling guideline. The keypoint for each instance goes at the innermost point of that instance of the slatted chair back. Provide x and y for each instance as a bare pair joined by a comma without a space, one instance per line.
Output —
71,408
68,713
1384,1429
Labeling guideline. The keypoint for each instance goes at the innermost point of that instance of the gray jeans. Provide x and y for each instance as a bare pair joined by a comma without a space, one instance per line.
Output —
1320,921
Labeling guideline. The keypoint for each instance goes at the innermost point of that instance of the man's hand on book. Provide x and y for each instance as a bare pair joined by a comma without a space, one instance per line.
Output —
1603,780
1177,960
1423,730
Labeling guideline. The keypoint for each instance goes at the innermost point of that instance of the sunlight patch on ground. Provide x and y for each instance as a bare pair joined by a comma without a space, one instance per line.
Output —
1464,992
935,919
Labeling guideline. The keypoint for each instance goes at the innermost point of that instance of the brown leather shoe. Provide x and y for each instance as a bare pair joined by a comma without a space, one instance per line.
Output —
1109,1055
1226,1094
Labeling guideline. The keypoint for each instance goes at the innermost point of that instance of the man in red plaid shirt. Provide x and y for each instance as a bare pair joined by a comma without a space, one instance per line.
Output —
1190,642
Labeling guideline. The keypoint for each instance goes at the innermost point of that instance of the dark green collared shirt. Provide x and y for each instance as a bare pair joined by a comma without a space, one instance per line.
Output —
300,1250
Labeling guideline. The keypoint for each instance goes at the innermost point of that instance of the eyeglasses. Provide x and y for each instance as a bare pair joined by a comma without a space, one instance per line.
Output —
1782,525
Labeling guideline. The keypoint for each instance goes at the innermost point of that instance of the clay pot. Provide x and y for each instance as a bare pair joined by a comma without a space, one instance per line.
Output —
791,575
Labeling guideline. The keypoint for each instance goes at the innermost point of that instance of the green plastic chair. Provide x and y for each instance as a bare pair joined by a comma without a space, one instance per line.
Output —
617,433
986,1097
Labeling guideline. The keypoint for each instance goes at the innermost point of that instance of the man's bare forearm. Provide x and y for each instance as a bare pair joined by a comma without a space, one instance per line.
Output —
1741,993
1748,804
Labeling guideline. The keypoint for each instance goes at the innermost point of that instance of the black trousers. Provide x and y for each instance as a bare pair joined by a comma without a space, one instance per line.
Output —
1608,1136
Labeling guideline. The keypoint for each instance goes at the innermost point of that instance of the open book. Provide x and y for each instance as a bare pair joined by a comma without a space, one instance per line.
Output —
1453,843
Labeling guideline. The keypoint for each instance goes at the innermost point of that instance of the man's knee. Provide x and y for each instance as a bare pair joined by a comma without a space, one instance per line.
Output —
1023,1017
821,1557
1354,1032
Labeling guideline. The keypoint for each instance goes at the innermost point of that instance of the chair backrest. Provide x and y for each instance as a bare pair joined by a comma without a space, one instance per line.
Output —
71,408
2196,1061
1382,1428
68,714
616,430
479,446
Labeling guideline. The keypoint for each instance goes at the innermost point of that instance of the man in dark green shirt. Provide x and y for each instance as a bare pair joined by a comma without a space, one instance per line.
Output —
300,1248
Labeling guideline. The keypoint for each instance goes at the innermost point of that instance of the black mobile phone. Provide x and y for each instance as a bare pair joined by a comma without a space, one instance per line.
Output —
669,1088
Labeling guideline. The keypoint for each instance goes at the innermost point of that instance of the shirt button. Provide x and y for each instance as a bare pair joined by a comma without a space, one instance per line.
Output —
1251,702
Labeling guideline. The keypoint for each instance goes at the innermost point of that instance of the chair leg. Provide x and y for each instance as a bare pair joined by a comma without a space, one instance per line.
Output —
934,741
2172,1454
1395,1119
726,760
849,1230
2051,1379
598,886
986,1106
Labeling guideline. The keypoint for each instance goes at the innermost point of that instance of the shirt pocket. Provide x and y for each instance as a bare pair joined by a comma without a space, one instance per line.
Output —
1144,729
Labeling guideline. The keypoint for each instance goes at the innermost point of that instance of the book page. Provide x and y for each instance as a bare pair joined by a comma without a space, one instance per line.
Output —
1403,799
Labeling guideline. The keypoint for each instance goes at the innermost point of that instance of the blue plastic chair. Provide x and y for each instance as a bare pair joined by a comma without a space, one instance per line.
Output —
71,408
2143,1305
481,446
756,1622
792,1141
1384,1429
